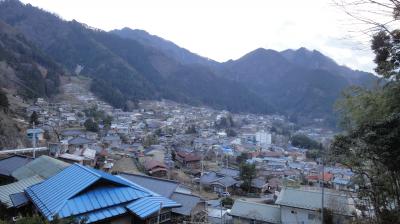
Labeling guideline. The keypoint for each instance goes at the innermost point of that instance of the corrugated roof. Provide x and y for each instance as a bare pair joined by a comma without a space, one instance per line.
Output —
16,187
72,192
10,164
99,198
312,200
147,206
44,166
104,214
188,202
160,186
257,211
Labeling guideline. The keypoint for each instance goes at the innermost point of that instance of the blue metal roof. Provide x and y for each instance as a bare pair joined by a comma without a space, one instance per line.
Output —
59,194
104,214
99,198
149,205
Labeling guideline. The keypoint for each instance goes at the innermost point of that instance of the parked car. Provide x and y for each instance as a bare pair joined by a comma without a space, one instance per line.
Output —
224,194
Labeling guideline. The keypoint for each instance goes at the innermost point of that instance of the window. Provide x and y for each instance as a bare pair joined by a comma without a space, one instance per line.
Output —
293,212
163,218
311,216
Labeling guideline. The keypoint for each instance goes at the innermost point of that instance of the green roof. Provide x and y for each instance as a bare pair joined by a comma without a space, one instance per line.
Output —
44,167
16,187
256,211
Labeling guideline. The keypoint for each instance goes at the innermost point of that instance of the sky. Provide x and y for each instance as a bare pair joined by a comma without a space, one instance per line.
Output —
228,29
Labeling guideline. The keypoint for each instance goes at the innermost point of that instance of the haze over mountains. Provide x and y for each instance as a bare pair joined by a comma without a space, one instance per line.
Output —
129,65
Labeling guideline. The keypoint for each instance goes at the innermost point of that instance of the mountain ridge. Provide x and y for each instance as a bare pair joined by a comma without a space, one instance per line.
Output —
133,65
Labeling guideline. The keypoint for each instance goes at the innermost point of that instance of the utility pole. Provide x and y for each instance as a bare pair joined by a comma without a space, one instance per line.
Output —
323,188
34,140
159,213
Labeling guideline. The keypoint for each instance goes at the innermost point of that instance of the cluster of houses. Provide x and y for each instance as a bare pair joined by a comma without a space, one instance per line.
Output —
178,153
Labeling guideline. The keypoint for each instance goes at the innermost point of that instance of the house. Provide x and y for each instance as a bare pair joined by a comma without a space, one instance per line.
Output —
37,132
317,178
71,133
98,197
341,183
234,173
192,206
44,167
79,142
217,214
224,184
244,212
188,160
304,206
112,140
218,183
259,185
7,192
9,165
155,168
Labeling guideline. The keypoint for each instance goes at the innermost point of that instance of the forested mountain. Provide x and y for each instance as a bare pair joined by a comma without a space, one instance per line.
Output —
299,83
25,68
316,60
167,47
129,65
123,69
292,89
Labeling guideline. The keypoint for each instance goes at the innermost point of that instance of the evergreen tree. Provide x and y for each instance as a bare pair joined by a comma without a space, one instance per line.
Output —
90,125
34,119
3,100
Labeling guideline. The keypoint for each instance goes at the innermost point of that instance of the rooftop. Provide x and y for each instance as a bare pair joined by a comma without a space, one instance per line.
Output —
311,200
12,163
257,211
44,167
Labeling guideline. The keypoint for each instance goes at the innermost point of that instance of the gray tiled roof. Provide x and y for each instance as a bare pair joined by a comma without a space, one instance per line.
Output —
160,186
312,200
256,211
226,181
229,172
79,141
188,202
9,164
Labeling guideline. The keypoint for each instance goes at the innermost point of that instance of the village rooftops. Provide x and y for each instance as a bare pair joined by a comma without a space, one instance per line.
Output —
189,157
312,200
161,186
80,191
256,211
12,163
80,141
72,132
17,187
44,167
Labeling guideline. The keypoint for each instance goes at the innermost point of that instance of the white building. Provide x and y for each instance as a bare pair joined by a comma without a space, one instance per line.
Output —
304,206
263,138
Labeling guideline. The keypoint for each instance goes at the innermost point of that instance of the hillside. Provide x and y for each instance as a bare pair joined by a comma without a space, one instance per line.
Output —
300,83
123,69
24,68
130,65
167,47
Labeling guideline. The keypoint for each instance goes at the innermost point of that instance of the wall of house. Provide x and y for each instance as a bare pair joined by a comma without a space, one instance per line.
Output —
122,220
291,215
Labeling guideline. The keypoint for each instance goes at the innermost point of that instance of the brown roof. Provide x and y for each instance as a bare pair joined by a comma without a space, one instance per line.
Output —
189,157
152,164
